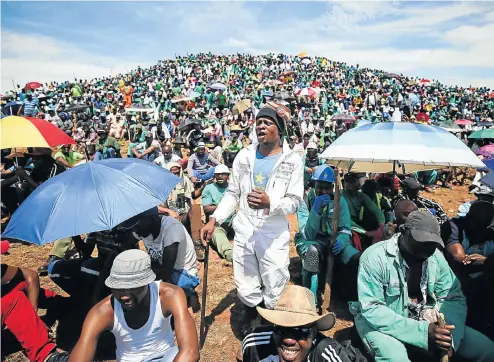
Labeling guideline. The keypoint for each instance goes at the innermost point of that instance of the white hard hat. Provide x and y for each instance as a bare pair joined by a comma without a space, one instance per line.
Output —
312,145
221,169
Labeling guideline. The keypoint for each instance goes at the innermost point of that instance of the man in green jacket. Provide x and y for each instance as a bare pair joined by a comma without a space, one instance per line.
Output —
356,201
403,285
314,221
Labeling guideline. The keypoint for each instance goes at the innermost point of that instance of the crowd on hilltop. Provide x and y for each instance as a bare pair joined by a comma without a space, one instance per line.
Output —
244,135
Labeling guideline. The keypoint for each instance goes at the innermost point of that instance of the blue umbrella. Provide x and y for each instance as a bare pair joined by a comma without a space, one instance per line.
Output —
488,179
362,122
489,163
11,108
92,197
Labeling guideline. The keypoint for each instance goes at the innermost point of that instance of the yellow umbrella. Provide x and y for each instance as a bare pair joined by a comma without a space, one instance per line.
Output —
241,106
301,55
31,132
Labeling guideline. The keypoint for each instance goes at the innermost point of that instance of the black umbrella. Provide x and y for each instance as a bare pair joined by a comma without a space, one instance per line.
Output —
77,108
187,123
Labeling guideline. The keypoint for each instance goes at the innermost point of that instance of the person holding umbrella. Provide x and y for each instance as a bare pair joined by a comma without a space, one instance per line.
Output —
266,185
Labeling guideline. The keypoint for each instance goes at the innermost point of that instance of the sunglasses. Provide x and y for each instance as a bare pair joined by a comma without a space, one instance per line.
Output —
295,332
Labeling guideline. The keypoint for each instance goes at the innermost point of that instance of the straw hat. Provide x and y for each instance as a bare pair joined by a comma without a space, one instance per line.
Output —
236,128
296,308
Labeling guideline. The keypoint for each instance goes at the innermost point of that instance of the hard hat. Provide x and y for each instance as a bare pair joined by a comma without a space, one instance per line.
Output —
221,169
323,173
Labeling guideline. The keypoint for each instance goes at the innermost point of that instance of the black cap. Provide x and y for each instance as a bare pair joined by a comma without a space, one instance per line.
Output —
271,113
134,220
424,227
411,183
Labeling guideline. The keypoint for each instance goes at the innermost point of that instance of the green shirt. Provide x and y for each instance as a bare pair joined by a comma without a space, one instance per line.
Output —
71,158
109,142
221,100
212,195
362,200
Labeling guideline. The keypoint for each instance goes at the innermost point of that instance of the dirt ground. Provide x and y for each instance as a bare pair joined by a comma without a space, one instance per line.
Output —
223,319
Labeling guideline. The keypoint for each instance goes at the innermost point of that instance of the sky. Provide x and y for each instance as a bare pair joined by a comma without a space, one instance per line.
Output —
449,41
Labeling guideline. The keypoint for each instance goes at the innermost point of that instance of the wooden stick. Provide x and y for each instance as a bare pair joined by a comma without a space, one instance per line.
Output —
442,323
334,234
202,327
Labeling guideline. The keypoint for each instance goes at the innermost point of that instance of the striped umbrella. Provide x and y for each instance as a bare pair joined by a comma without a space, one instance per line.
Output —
31,132
377,147
307,92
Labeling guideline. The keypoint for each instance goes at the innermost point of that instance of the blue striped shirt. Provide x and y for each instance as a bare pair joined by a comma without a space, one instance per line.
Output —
30,106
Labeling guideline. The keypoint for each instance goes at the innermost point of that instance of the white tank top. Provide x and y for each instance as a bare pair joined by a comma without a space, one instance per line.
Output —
148,343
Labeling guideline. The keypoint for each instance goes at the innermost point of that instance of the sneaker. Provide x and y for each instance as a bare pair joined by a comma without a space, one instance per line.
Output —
43,269
200,250
57,356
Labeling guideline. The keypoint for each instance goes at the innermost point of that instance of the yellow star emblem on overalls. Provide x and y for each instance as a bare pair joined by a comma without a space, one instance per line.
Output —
259,178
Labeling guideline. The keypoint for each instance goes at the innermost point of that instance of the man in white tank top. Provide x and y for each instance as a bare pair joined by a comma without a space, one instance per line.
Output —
138,313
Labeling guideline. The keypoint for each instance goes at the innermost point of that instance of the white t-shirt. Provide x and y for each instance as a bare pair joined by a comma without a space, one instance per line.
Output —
172,231
160,161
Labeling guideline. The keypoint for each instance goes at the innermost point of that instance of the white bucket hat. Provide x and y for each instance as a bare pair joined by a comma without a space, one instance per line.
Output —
130,269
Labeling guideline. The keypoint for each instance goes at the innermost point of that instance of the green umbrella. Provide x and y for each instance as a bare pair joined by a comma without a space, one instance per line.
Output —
483,133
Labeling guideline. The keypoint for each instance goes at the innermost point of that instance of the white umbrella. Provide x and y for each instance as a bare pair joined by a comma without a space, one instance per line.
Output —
217,86
379,147
306,61
139,107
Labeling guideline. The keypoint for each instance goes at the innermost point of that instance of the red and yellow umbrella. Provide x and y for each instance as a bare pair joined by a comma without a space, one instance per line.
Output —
31,132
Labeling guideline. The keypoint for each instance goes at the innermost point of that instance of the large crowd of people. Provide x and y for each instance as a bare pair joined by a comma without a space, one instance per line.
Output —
244,134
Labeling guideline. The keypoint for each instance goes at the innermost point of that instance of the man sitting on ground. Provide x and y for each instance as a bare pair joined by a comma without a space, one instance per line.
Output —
106,147
139,313
200,166
403,285
411,188
211,197
294,334
357,201
166,157
171,249
67,157
20,298
147,150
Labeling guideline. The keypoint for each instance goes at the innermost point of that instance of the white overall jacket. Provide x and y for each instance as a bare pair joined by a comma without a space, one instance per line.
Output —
285,189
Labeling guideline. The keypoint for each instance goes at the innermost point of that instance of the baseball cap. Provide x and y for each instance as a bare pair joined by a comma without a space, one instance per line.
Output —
424,227
201,144
411,183
130,269
221,169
